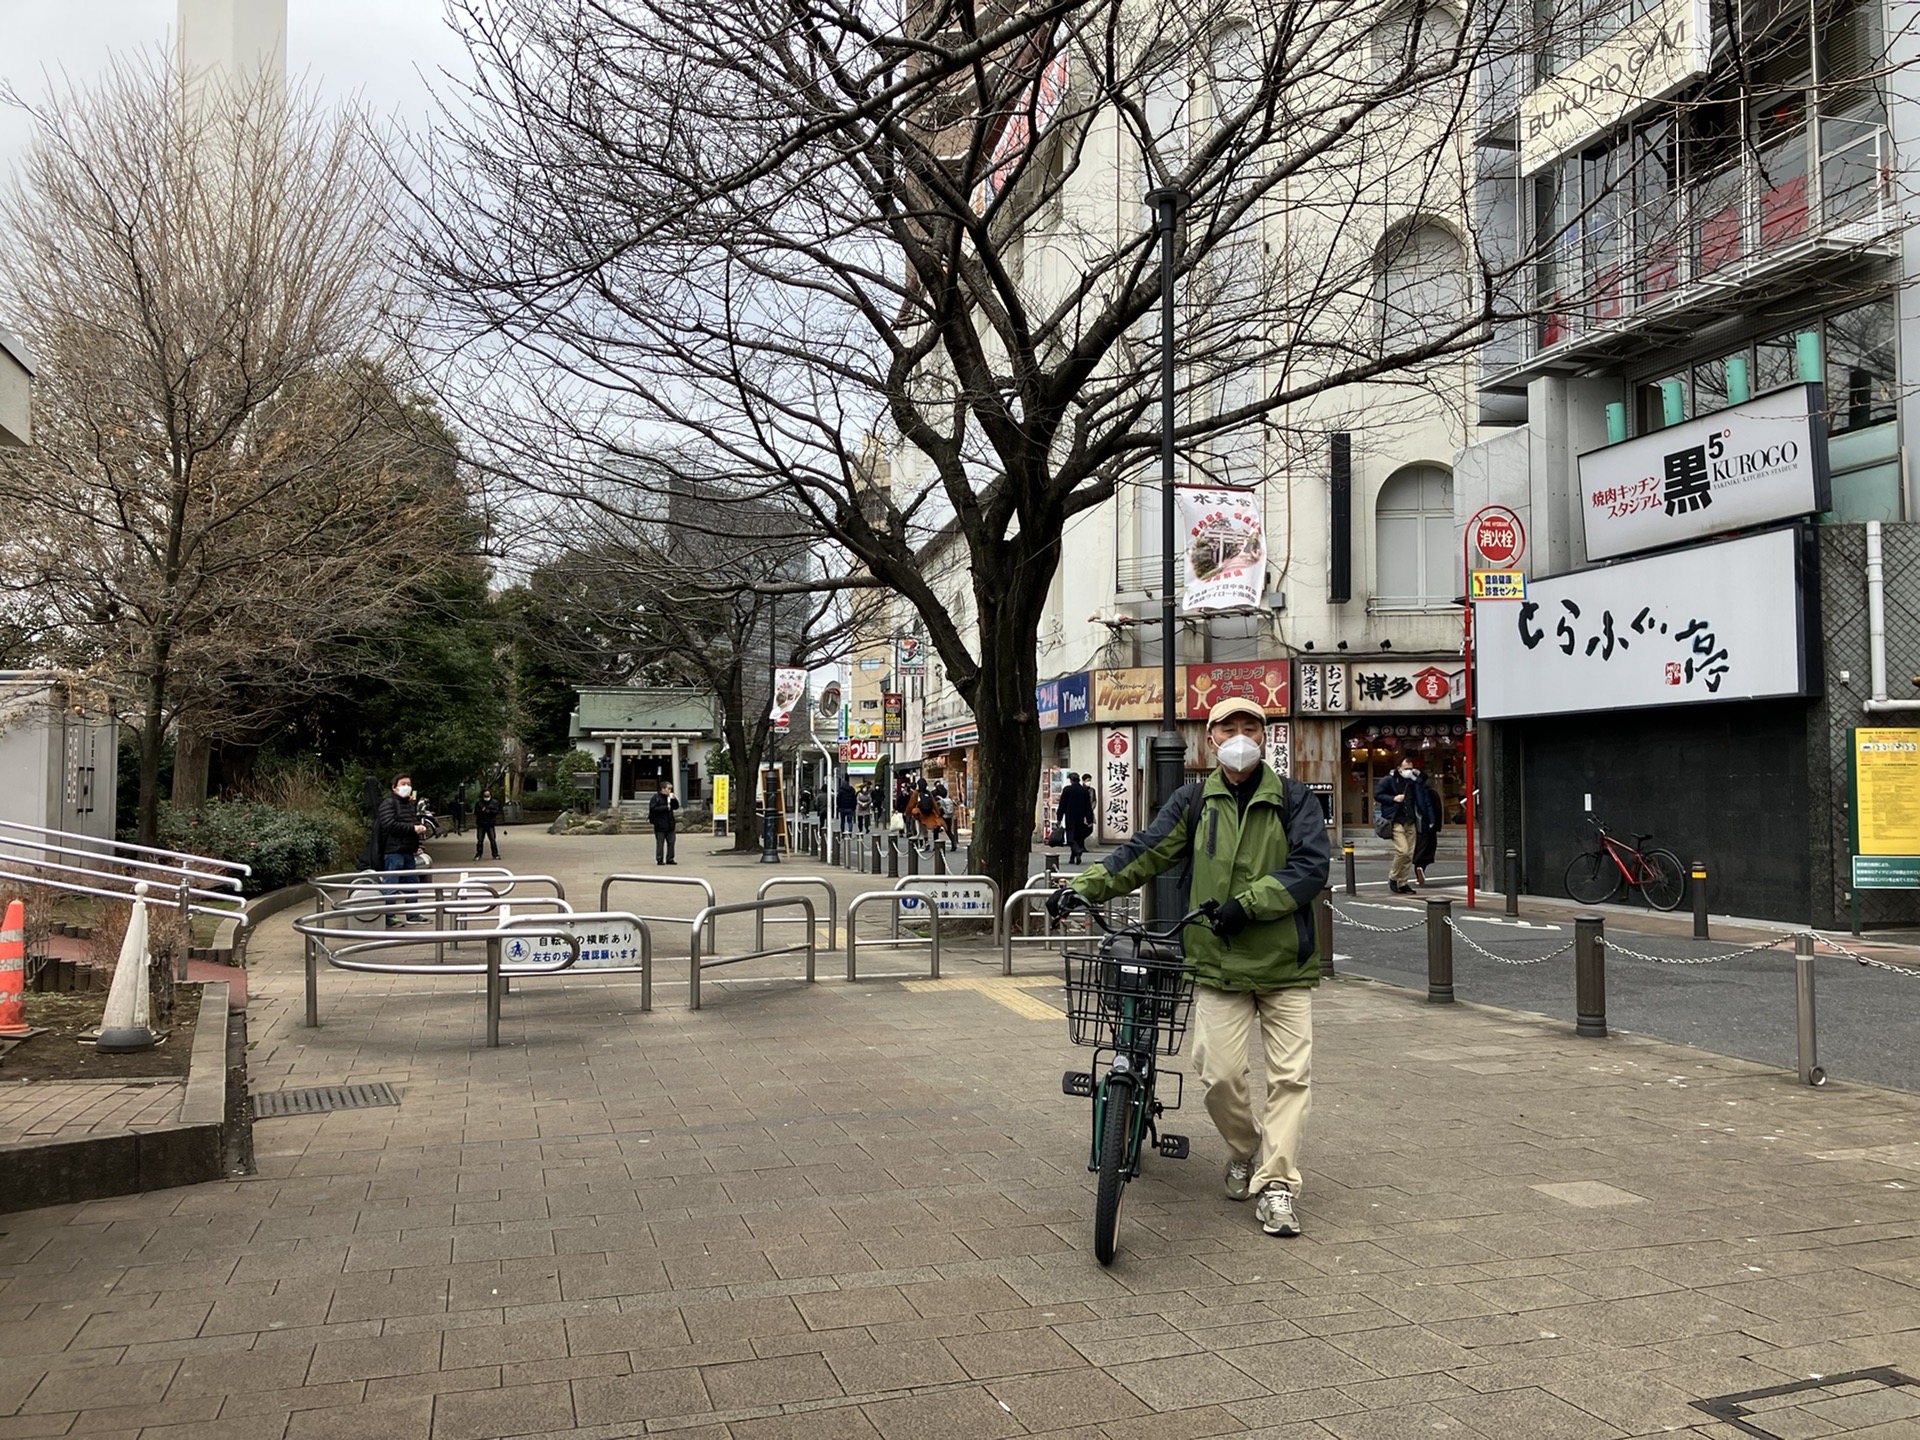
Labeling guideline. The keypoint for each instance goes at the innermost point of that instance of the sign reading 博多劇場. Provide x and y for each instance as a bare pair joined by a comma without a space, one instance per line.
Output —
1639,64
1116,784
1226,549
1717,622
603,944
1762,460
1883,771
957,898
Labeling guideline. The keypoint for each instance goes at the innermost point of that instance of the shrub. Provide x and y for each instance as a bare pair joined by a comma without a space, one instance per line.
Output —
284,847
536,800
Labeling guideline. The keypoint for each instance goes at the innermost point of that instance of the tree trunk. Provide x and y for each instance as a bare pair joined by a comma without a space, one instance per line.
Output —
1009,753
153,730
192,758
746,778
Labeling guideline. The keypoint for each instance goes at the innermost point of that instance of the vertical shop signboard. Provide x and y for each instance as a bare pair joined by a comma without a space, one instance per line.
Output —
1117,763
893,718
1280,747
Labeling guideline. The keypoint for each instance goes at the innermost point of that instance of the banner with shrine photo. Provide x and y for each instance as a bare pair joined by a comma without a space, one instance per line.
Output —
1225,548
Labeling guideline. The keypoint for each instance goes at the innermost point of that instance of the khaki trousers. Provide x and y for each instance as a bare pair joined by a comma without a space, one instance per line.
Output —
1223,1026
1403,838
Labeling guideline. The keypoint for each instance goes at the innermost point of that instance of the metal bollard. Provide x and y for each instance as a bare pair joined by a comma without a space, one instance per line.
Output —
1052,868
1697,878
1440,952
1323,931
494,979
1810,1071
1589,977
873,857
1346,854
893,858
940,860
1513,882
913,858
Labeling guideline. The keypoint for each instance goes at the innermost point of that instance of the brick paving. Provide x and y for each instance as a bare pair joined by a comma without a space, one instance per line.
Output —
863,1211
78,1109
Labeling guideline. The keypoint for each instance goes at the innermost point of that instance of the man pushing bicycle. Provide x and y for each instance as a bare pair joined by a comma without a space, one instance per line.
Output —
1257,843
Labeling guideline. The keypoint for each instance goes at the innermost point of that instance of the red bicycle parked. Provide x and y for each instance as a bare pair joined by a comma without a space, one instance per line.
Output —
1596,875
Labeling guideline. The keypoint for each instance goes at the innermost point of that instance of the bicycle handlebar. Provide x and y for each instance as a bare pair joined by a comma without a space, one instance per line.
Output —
1203,911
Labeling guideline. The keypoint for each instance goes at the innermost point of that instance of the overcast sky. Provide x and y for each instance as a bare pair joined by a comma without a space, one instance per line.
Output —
376,48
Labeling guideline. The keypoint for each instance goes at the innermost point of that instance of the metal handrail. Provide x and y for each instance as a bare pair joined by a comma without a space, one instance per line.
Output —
705,919
1008,939
606,886
225,898
854,942
760,922
235,866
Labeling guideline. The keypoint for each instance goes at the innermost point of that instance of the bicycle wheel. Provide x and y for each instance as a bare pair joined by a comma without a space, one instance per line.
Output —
1665,880
1592,879
1116,1129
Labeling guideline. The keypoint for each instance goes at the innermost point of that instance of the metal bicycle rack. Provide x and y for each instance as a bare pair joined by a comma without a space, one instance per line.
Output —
874,897
351,941
760,922
606,887
757,908
475,890
1048,937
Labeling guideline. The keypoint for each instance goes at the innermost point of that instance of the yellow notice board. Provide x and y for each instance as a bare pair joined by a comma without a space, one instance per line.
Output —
1886,788
722,802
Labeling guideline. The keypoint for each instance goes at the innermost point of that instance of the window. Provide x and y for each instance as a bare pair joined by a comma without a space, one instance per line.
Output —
1419,287
1416,559
1861,374
1392,40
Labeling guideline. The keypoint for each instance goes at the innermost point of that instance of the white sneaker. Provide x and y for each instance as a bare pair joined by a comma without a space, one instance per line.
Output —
1239,1179
1275,1211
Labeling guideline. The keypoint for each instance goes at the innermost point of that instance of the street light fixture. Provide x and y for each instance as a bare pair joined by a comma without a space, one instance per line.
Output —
1167,751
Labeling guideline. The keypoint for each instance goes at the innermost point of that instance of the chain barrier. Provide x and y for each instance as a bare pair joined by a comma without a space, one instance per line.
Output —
1868,960
1346,919
1473,944
1619,949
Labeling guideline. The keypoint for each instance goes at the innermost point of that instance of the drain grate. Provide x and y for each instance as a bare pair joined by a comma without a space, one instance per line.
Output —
1829,1404
319,1099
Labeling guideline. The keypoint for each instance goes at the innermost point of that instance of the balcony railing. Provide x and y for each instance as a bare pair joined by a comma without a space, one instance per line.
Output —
1776,202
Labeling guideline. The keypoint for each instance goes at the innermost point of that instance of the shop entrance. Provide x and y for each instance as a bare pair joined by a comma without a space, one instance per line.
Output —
1373,747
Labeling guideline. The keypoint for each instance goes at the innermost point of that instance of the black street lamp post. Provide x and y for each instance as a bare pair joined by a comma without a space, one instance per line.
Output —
1167,751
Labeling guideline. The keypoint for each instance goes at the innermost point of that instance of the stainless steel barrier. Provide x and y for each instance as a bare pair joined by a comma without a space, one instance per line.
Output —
873,897
1048,937
607,885
760,921
706,918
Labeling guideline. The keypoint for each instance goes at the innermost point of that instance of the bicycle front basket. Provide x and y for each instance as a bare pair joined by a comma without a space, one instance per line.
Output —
1124,1001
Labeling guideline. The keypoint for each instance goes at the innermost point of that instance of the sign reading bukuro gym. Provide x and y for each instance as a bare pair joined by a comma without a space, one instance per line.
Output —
1762,460
1725,621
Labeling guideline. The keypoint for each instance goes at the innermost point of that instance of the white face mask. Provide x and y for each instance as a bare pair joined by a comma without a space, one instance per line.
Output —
403,791
1406,772
1239,753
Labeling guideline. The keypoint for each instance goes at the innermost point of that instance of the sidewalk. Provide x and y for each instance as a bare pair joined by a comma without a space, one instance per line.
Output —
858,1211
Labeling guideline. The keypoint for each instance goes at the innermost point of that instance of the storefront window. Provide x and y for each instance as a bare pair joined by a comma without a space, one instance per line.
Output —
1861,374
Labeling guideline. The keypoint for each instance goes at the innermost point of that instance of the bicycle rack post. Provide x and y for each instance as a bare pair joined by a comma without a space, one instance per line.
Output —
313,971
1440,951
1589,977
1810,1071
1346,855
1697,877
1513,882
1323,929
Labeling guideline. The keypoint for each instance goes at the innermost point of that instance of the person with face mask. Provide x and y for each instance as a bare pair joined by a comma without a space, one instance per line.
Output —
486,815
663,815
1256,842
1404,801
397,826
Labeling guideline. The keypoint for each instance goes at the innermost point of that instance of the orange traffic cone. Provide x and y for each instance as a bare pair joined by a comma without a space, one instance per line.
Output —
13,969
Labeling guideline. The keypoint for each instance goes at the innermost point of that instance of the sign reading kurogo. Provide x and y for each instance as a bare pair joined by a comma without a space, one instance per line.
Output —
1716,622
1760,461
1624,74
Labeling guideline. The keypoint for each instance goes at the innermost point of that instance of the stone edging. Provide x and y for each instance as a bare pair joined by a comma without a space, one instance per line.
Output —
226,936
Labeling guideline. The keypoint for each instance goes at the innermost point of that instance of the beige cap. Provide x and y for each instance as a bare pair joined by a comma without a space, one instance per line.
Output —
1227,709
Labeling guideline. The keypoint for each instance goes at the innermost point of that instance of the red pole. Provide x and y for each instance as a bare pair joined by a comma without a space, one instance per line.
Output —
1466,655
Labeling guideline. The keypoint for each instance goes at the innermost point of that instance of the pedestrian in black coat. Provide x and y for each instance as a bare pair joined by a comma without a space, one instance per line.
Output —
661,814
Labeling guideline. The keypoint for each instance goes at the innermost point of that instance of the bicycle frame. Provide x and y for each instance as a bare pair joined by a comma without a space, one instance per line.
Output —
1133,1057
1639,873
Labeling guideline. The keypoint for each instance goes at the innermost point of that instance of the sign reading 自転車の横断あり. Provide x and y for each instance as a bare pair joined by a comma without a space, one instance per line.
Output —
1715,622
1762,460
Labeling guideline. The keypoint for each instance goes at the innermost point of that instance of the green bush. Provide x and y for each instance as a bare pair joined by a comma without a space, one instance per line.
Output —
284,847
554,799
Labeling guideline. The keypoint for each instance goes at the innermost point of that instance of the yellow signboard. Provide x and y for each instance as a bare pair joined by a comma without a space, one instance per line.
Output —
1499,585
722,802
1886,793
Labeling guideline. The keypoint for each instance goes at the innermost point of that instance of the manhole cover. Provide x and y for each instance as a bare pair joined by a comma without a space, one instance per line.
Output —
1831,1405
322,1098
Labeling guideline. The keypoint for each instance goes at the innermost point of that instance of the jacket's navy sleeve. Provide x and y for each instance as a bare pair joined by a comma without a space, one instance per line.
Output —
1304,875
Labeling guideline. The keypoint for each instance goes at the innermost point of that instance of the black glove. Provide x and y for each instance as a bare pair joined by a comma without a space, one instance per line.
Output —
1063,902
1229,920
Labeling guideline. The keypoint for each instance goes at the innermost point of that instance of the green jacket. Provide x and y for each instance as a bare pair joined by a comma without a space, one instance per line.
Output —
1273,860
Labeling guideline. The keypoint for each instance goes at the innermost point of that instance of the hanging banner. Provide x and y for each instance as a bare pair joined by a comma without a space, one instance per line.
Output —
893,723
1226,551
788,688
1116,784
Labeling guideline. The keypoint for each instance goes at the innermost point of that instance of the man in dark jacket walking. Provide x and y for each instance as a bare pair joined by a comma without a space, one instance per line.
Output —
1076,817
397,828
486,814
662,815
847,801
1257,845
1404,801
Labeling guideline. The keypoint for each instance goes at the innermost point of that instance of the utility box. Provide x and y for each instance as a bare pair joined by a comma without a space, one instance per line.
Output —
59,756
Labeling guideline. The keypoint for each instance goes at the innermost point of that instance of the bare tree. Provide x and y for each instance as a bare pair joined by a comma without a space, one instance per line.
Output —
223,478
775,232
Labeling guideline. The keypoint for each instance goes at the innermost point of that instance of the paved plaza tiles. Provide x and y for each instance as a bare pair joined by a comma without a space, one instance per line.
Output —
863,1211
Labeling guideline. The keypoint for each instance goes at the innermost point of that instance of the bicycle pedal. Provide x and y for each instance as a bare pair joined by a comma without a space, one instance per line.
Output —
1077,1082
1174,1147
